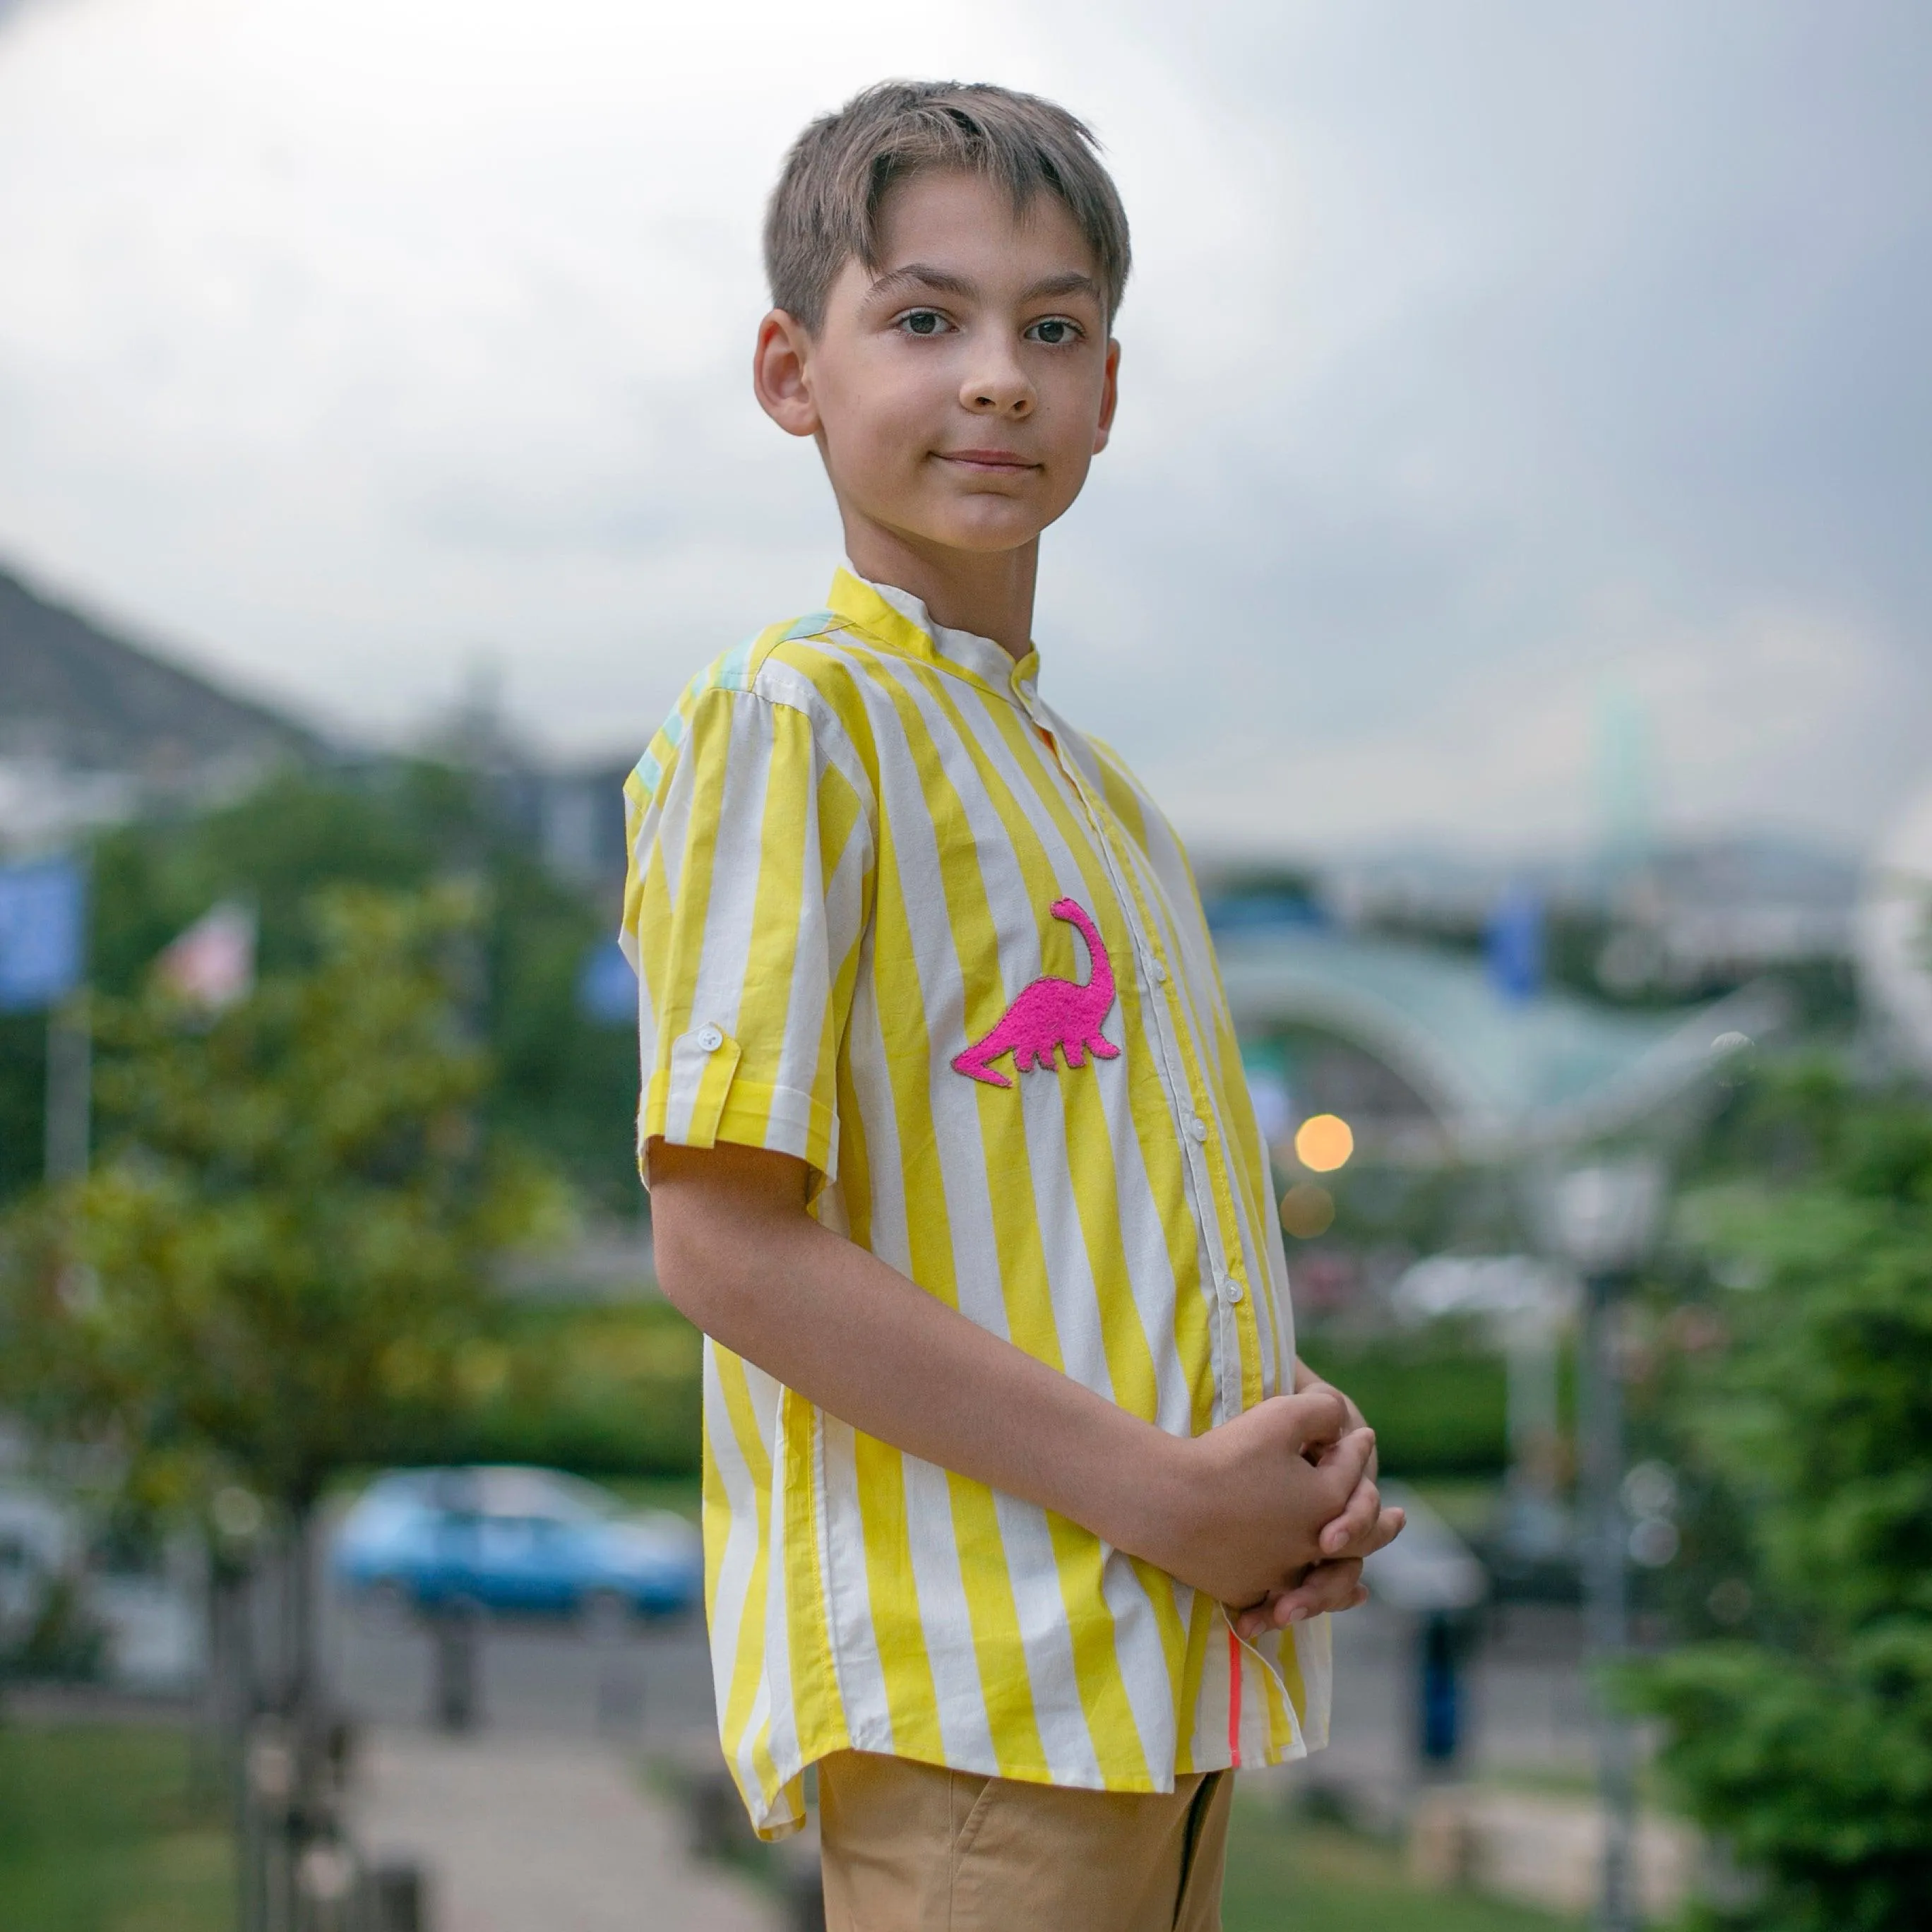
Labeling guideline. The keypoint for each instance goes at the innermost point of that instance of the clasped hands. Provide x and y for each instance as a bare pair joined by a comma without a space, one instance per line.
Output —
1288,1508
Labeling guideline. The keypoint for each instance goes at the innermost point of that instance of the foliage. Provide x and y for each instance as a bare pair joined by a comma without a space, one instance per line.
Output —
1422,1210
64,1640
290,1234
614,1390
561,1082
1806,1740
1439,1397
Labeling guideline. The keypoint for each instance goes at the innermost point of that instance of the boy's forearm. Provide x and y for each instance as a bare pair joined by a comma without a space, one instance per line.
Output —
850,1332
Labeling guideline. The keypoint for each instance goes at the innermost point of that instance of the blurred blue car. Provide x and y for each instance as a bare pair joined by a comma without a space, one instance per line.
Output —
515,1539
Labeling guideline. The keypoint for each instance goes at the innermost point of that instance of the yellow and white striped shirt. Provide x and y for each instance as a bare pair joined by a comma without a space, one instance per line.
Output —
892,915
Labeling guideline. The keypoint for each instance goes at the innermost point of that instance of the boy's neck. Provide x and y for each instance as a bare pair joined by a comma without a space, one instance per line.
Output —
987,592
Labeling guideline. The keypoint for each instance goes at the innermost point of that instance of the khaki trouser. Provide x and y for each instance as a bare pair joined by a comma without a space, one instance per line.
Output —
916,1848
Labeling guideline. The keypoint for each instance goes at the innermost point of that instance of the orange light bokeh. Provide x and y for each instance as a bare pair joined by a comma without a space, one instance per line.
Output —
1307,1210
1323,1142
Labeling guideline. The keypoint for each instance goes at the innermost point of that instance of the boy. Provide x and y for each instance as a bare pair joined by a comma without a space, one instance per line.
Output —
944,1117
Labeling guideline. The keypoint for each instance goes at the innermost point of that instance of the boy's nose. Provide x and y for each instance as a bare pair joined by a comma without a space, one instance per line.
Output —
993,392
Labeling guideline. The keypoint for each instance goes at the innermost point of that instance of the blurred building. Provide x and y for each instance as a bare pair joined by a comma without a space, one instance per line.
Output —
577,817
1684,918
92,725
1427,1057
1721,912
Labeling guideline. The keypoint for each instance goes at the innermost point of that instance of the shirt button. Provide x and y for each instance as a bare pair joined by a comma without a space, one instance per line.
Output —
1160,973
710,1039
1197,1128
1232,1288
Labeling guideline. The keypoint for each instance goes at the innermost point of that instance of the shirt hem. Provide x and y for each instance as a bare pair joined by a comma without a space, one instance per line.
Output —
780,1818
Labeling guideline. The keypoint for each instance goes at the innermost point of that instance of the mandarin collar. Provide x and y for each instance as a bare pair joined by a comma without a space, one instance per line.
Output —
901,619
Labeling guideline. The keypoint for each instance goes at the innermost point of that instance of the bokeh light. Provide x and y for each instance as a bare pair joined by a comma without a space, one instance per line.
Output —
1307,1210
1323,1142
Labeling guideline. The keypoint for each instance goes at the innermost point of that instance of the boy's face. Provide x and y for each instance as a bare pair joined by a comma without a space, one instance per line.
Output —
958,394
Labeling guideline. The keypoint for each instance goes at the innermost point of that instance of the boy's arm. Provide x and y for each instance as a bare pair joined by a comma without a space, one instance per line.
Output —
1236,1512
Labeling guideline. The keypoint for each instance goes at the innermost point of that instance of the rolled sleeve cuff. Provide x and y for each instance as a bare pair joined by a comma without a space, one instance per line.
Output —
701,1098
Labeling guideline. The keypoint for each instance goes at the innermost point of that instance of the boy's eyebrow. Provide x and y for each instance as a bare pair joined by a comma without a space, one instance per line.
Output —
1072,283
943,281
923,275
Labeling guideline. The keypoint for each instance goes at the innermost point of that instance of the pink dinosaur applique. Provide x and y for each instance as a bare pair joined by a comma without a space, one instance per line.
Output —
1051,1014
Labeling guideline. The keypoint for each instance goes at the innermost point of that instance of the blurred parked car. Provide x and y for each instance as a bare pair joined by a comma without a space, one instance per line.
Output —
70,1607
515,1539
40,1542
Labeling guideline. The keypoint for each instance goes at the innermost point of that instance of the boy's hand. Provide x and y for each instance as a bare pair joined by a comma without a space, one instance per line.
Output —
1363,1527
1355,1531
1256,1493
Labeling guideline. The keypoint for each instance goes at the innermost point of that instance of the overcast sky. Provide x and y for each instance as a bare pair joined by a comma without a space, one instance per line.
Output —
1490,371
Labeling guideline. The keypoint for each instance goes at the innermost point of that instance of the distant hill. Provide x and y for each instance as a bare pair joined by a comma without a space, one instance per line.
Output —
76,698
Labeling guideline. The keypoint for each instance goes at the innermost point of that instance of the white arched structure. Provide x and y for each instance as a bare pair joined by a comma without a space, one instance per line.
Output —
1499,1073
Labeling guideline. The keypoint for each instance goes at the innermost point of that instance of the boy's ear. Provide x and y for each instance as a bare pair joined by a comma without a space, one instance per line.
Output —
780,377
1110,397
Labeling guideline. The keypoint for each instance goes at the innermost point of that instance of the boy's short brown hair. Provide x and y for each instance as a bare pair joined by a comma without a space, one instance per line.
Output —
825,208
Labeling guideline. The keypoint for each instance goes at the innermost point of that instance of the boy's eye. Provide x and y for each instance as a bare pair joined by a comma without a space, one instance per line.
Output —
1054,330
923,321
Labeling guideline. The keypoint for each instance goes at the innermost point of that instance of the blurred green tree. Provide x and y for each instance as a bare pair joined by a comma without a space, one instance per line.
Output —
562,1083
287,1241
1805,1738
291,1226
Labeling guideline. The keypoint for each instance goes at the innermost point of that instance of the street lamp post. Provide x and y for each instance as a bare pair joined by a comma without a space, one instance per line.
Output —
1603,1219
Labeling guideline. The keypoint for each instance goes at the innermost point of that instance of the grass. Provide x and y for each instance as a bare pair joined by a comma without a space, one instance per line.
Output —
1285,1877
97,1833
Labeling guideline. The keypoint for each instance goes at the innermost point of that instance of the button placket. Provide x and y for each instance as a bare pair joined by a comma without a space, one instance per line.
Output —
1225,1274
1193,1130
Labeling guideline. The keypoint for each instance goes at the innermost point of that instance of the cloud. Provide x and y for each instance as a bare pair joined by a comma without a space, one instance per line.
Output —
1515,762
1479,357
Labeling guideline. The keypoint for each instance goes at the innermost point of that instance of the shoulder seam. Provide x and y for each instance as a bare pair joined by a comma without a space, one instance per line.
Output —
807,629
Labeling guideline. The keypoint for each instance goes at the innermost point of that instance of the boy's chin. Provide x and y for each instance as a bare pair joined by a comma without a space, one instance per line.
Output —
984,528
977,534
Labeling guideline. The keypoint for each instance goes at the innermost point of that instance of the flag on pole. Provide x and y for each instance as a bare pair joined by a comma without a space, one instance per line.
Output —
212,964
43,933
607,986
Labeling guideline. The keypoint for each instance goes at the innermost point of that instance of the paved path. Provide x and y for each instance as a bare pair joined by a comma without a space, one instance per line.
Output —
529,1834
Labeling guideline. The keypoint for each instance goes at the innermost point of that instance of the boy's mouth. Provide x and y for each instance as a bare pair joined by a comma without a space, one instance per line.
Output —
993,461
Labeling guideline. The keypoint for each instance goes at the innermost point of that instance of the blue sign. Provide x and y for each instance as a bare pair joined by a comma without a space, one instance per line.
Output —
1515,945
43,933
607,988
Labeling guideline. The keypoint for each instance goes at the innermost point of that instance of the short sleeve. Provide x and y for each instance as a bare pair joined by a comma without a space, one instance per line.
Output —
749,873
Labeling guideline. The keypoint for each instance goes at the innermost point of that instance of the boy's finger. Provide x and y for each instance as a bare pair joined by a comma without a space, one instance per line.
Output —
1345,1465
1380,1530
1357,1517
1316,1418
1328,1586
